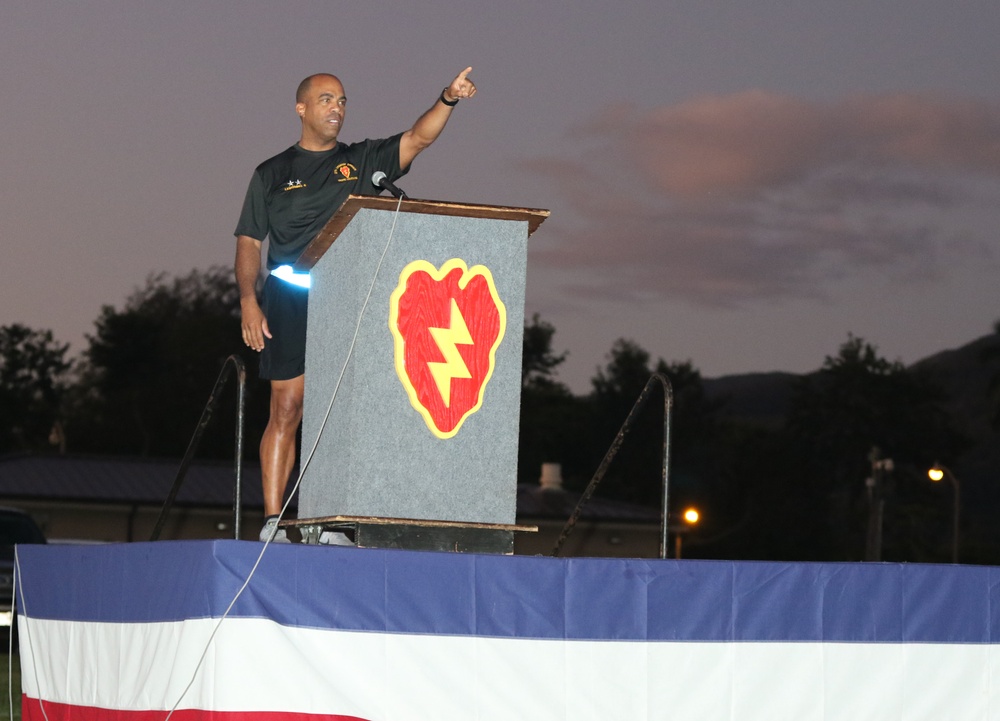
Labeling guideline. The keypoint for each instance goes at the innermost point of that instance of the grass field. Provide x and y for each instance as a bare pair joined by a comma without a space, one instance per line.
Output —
5,684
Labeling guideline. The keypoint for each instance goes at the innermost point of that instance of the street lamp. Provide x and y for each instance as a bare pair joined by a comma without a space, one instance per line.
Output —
938,473
691,516
875,483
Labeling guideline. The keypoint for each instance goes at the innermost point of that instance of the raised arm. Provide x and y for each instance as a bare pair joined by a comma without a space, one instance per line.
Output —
429,125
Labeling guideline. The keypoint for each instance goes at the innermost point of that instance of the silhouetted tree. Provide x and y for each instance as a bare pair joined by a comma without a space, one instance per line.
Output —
753,498
538,361
991,356
550,414
33,377
636,474
151,365
857,402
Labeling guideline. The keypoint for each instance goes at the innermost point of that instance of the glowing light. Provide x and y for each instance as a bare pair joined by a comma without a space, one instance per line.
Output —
935,474
691,516
290,275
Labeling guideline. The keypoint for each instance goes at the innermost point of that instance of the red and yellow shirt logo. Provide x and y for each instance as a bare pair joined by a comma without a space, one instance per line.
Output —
446,325
345,172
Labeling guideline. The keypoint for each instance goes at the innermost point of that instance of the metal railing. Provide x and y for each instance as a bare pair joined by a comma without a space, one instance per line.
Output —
616,444
236,364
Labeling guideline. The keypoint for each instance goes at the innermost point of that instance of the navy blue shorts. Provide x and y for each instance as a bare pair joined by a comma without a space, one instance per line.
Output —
285,306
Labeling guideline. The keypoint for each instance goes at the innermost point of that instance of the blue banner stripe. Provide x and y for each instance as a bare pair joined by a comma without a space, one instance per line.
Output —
518,597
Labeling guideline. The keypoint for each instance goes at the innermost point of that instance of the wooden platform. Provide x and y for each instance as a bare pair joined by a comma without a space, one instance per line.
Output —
414,534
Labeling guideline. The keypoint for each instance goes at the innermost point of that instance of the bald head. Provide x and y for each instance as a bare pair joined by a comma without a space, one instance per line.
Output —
303,90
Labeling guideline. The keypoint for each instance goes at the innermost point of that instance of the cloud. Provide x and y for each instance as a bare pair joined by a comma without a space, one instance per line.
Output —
757,196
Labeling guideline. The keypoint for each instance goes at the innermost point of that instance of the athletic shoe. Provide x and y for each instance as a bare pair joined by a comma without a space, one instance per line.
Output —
335,538
271,530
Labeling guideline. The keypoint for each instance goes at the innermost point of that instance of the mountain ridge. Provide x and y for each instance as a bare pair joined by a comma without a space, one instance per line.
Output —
964,374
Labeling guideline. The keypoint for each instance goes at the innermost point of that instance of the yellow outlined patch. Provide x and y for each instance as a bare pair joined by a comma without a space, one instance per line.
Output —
446,326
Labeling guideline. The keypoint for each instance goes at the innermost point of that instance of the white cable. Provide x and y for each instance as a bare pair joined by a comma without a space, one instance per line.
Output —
267,543
343,368
304,464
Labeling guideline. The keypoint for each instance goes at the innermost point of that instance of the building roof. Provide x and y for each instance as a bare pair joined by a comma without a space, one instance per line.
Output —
124,480
95,479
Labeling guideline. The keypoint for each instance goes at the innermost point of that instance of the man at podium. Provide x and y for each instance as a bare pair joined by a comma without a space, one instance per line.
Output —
290,198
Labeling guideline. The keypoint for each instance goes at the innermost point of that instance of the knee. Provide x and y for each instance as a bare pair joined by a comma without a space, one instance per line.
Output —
286,409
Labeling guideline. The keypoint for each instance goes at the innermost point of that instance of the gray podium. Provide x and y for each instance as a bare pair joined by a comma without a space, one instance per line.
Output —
413,373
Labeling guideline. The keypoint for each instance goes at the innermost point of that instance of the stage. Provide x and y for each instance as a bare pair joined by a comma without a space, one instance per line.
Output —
130,631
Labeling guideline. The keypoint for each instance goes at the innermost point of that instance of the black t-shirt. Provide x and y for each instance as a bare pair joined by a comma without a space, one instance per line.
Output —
292,195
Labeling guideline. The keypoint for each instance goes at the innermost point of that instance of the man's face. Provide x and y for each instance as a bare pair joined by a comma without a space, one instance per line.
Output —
322,112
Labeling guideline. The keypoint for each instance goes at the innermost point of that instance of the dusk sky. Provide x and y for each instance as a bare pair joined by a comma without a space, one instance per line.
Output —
741,185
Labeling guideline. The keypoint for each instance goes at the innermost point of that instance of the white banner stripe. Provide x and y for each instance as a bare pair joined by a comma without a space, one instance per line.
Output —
258,665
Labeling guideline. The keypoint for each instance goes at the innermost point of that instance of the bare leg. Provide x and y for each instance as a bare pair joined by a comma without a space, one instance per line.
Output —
277,445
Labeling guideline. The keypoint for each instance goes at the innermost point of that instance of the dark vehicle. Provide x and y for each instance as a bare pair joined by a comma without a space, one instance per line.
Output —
16,527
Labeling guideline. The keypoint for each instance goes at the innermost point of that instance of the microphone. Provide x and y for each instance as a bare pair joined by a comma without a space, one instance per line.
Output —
380,180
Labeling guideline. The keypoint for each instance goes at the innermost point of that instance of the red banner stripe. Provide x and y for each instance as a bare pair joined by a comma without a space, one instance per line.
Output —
31,710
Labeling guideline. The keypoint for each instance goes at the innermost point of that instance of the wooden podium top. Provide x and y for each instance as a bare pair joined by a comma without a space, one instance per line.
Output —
324,239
